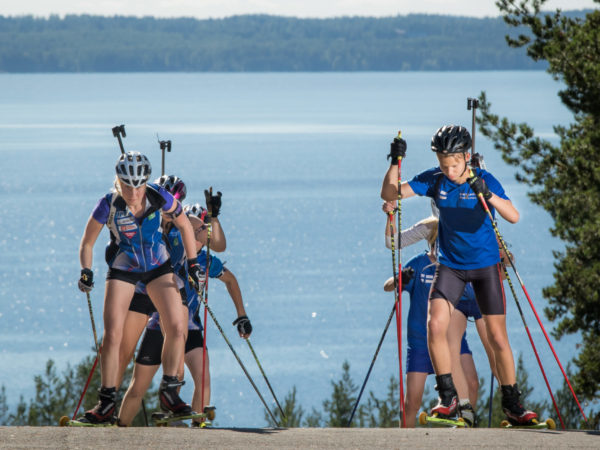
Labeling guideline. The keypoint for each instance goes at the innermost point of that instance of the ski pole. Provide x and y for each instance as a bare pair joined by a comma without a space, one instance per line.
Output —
119,131
491,401
387,325
87,383
204,294
398,279
265,377
512,289
207,308
89,302
512,264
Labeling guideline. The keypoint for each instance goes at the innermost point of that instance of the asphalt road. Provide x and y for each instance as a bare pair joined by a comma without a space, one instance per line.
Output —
296,438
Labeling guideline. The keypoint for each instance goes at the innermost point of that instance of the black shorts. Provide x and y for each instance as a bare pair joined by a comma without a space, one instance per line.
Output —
449,284
144,277
150,350
142,304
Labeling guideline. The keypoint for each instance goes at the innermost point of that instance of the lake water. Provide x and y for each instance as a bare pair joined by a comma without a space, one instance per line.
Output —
299,158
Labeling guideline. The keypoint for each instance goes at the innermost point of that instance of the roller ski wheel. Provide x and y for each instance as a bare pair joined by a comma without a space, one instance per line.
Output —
437,420
64,421
210,412
534,424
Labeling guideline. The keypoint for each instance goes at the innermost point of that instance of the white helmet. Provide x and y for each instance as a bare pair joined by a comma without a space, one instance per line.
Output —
133,169
196,210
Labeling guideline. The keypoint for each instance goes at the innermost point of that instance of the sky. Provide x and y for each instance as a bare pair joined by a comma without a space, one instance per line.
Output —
203,9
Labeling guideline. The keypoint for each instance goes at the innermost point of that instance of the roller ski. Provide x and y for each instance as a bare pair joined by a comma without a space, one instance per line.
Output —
209,416
534,424
443,421
445,413
166,419
101,415
516,415
83,422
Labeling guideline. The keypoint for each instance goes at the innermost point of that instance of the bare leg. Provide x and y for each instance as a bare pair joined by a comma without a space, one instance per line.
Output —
415,385
471,377
116,303
135,323
456,330
140,382
481,330
167,300
498,337
438,321
193,360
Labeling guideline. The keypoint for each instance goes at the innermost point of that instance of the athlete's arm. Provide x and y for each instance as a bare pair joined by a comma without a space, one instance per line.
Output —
505,208
182,222
236,296
86,246
389,187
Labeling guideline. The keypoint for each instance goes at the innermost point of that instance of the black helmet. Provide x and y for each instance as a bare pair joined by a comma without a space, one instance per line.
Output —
451,139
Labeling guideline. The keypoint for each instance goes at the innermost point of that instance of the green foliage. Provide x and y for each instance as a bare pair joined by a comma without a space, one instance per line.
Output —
254,43
382,413
56,395
565,177
343,397
293,412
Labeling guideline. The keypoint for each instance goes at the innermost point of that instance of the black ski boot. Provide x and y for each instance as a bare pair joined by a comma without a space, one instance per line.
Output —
467,413
170,401
104,411
448,398
515,413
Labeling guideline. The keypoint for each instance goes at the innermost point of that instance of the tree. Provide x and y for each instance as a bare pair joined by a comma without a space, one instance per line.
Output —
342,400
382,413
56,395
564,178
293,412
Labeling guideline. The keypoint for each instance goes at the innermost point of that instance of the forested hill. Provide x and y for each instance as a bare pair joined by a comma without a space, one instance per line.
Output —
256,43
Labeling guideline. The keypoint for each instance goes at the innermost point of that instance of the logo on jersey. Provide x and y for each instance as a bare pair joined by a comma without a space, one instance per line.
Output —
467,196
443,195
151,216
426,278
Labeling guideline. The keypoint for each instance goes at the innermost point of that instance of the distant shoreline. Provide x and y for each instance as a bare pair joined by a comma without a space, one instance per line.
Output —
258,43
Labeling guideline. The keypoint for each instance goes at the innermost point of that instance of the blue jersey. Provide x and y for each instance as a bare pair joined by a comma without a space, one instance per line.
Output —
194,323
138,242
465,236
418,289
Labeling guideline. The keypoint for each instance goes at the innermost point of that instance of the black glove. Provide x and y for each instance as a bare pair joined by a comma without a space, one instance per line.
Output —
196,275
479,187
86,282
397,148
243,325
213,203
407,274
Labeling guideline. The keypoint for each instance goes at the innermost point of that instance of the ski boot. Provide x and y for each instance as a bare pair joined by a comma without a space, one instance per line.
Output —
447,406
467,413
515,413
170,401
104,411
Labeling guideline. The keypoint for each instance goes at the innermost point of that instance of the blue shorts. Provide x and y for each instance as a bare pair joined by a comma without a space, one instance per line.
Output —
464,346
418,360
469,309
